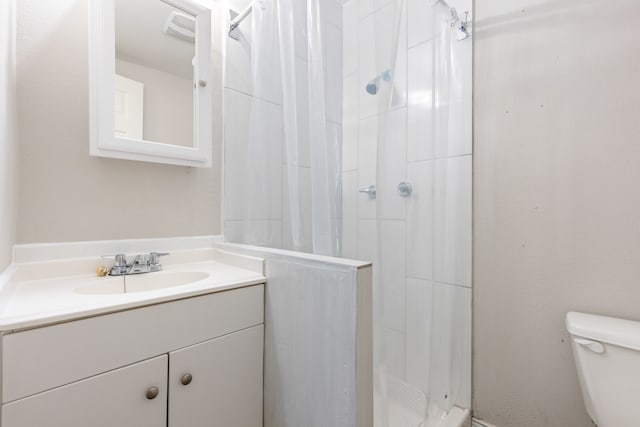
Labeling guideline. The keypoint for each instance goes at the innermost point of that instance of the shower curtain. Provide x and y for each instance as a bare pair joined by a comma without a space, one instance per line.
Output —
288,57
399,400
289,76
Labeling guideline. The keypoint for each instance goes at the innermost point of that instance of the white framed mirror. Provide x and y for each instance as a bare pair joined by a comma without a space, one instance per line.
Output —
151,81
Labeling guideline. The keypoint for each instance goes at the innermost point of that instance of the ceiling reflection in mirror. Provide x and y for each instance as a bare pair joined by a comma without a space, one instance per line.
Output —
154,58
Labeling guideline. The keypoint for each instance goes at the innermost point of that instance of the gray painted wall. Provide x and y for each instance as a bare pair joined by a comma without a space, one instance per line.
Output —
66,195
557,199
8,140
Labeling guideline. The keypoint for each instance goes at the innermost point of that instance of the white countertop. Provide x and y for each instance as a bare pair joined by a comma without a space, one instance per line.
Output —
42,294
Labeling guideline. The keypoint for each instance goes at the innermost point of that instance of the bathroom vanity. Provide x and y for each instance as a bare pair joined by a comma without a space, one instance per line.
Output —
180,355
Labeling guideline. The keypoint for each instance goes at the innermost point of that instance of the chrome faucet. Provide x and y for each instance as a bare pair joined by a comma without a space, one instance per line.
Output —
143,263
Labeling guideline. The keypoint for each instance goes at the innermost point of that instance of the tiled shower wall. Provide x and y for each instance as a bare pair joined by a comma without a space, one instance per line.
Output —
425,238
271,226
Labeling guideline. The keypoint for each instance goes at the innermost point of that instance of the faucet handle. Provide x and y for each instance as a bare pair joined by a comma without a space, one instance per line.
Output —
142,259
154,257
119,264
154,260
119,260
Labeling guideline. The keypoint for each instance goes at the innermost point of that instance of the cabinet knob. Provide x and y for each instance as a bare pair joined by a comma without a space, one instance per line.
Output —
152,393
186,379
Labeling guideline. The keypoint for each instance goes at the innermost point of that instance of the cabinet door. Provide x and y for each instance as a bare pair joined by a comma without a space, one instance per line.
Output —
226,382
116,398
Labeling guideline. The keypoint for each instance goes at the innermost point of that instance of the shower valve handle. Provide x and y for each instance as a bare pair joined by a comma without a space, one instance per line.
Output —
370,191
405,188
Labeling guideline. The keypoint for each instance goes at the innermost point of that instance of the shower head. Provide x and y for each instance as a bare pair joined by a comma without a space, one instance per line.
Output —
463,32
374,85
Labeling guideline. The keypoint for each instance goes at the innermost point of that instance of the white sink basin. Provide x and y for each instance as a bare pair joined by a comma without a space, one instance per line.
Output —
143,282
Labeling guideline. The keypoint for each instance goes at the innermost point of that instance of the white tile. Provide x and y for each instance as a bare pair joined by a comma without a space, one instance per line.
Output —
367,164
259,233
262,197
380,49
238,53
350,145
302,113
421,74
331,11
450,374
234,231
393,273
238,58
333,172
392,164
266,54
275,140
368,241
367,66
309,345
453,204
350,97
420,21
365,7
325,187
350,214
238,112
350,22
418,333
463,55
379,4
452,95
298,224
420,134
333,77
393,352
463,76
300,28
462,5
420,220
275,234
350,124
287,224
456,138
399,95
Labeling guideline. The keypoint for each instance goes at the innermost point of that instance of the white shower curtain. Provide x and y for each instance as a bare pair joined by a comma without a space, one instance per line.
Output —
293,75
398,401
289,82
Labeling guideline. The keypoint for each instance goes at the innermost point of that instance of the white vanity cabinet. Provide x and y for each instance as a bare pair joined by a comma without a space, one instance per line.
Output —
192,362
116,398
218,382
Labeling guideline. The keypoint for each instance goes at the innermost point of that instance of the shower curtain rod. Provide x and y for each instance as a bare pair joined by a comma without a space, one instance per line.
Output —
236,20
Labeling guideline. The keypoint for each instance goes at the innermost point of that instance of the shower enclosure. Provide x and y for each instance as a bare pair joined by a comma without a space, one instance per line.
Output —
348,134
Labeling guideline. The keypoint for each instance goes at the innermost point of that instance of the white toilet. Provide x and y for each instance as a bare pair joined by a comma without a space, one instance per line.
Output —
607,355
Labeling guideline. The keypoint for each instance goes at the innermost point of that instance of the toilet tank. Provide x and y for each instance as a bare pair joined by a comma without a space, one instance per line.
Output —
607,356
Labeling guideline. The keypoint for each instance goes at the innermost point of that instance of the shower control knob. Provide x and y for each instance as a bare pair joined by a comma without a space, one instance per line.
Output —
405,189
370,191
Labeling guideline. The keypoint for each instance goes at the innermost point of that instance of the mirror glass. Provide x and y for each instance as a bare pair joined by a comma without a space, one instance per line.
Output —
155,55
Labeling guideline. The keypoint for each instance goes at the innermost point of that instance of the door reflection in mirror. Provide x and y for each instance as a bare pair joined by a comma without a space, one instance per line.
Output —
154,81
